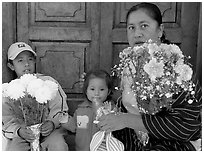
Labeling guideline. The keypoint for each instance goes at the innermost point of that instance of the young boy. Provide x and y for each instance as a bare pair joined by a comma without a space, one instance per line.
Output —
22,60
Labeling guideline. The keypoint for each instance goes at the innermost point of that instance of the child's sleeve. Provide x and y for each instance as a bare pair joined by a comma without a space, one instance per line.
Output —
10,124
71,124
59,103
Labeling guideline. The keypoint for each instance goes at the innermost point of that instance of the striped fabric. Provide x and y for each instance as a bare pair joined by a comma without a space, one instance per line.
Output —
101,142
102,146
169,129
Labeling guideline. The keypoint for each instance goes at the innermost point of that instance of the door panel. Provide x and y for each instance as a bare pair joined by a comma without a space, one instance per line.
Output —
62,12
65,37
63,61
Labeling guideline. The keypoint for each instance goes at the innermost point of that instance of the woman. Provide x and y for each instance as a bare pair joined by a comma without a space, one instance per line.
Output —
165,130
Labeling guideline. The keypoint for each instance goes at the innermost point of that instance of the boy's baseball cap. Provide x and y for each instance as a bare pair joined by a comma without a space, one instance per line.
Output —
17,48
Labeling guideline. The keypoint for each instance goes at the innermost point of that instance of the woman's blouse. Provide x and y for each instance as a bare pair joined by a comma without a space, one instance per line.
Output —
169,129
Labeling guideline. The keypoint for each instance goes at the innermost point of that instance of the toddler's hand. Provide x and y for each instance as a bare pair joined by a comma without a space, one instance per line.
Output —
47,128
26,134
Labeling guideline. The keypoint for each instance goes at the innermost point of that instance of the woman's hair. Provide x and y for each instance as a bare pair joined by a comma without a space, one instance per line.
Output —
102,74
153,11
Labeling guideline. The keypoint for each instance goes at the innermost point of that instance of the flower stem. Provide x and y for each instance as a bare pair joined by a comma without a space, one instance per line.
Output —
37,113
42,112
24,116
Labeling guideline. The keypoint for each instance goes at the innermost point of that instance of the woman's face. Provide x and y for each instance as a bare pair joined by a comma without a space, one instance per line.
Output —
141,27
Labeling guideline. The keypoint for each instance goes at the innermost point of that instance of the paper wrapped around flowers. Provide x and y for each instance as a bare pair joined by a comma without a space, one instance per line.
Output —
101,109
151,75
28,98
35,145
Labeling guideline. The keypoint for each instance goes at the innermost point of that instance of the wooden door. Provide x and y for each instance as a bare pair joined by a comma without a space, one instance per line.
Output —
65,37
71,38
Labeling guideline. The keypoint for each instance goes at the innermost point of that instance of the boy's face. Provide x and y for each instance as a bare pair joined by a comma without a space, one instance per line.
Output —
97,89
24,63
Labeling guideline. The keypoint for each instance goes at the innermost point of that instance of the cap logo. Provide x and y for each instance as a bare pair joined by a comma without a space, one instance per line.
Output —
21,45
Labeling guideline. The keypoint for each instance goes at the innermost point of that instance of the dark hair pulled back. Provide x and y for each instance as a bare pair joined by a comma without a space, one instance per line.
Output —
98,74
153,11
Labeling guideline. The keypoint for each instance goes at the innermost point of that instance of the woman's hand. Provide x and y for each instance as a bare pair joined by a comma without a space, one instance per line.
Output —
47,128
112,122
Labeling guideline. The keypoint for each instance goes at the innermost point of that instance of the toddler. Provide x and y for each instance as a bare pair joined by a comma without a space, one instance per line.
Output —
97,90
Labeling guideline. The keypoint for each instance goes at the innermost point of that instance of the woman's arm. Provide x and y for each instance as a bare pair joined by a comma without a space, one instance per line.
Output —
113,122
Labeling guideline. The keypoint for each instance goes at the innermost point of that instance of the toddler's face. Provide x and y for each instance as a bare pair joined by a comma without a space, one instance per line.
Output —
97,89
24,63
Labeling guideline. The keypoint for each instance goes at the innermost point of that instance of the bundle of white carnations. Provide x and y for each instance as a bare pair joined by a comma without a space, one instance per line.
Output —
29,97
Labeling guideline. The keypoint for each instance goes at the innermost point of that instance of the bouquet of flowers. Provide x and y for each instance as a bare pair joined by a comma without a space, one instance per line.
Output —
155,73
28,97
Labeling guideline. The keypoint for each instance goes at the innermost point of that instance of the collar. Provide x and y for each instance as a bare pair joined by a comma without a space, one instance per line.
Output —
86,103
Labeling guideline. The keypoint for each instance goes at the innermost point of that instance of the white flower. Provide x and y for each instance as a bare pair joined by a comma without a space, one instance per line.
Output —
154,69
16,89
168,73
185,72
121,55
52,86
33,86
126,51
27,78
168,82
158,87
136,49
153,48
143,97
176,50
190,101
43,94
168,95
47,91
192,92
166,49
180,61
